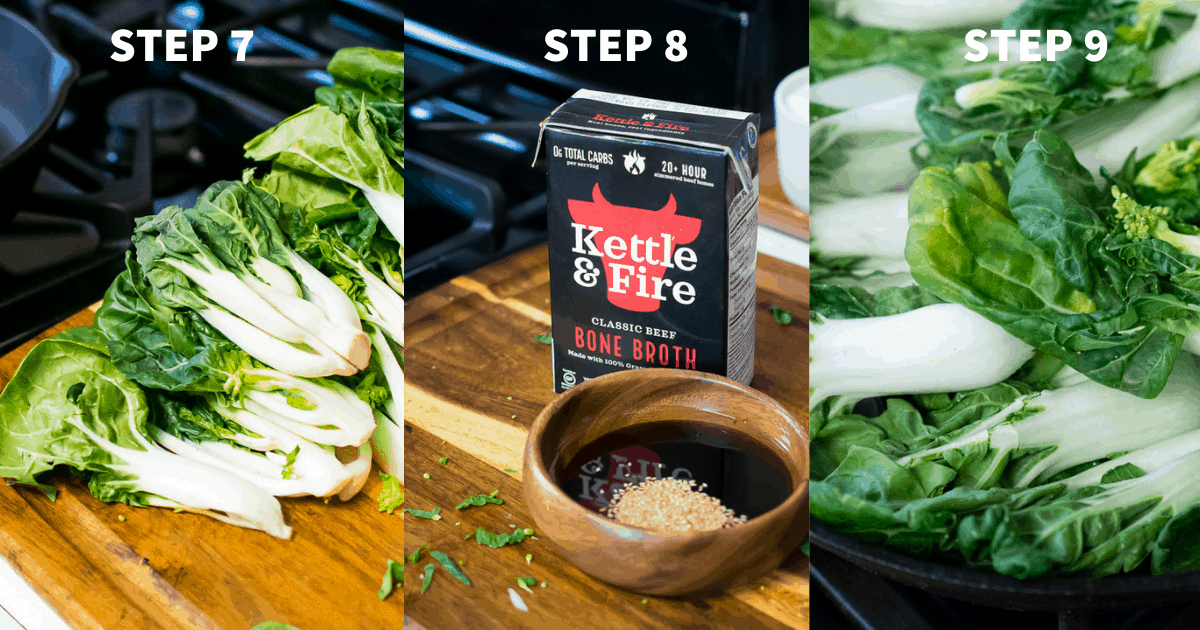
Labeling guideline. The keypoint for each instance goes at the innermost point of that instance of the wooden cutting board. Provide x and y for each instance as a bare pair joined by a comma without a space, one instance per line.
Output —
476,378
159,569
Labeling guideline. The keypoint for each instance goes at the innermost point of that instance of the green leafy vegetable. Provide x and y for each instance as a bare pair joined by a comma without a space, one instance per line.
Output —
289,465
429,569
393,575
324,143
68,405
412,558
390,496
1040,262
781,316
480,500
546,338
451,567
496,541
525,582
433,516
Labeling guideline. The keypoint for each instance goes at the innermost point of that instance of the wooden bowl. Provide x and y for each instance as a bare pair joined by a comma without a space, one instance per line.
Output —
652,562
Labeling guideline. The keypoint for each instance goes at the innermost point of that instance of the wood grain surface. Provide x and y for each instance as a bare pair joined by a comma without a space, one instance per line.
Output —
160,569
476,379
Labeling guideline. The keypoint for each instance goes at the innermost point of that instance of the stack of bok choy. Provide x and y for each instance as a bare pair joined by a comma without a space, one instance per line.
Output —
252,348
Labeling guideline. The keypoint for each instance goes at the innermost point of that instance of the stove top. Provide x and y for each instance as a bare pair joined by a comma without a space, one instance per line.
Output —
471,131
137,137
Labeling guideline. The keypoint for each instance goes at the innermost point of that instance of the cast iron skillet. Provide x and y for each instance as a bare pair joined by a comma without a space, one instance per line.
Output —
34,78
993,589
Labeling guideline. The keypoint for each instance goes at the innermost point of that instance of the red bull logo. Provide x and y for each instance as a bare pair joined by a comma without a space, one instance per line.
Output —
636,247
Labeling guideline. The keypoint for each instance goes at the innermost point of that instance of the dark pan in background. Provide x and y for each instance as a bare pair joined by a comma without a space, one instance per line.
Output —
1074,599
34,80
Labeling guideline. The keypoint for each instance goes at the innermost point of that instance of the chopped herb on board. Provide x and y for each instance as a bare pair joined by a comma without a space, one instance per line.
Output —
428,577
509,470
416,555
433,516
496,541
480,500
450,567
392,576
526,582
546,338
274,625
782,316
390,497
443,460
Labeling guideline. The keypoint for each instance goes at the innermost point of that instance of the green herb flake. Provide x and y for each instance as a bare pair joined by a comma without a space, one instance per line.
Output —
416,555
782,316
289,466
426,475
433,516
514,416
429,568
479,500
496,541
391,577
528,557
546,338
274,625
443,460
543,585
121,517
528,532
509,470
450,567
510,397
390,497
645,600
526,582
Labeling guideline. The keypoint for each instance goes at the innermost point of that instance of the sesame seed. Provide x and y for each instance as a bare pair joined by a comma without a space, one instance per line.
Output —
670,505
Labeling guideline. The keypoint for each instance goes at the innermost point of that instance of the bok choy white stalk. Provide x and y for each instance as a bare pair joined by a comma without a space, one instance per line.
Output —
68,404
1074,425
227,260
943,347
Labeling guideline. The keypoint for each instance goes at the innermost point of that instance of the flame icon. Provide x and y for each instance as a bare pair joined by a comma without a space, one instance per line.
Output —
634,163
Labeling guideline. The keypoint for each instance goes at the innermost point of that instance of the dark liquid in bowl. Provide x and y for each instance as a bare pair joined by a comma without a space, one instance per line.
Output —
745,475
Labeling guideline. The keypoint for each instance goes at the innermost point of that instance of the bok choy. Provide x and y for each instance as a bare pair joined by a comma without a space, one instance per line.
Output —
68,404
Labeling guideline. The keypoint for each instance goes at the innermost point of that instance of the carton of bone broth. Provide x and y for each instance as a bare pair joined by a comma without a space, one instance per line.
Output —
653,212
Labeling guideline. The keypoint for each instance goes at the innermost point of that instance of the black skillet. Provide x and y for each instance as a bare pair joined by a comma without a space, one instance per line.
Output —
34,79
993,589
